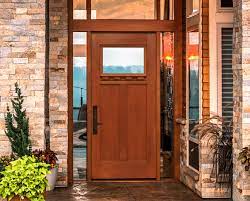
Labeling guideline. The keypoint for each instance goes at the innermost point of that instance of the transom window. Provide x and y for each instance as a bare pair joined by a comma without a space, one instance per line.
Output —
123,9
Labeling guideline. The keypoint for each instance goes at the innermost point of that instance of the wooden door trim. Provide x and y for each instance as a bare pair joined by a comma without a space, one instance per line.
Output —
157,25
124,25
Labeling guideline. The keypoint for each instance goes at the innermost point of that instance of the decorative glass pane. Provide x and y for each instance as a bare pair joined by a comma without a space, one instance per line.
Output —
123,60
79,104
79,10
123,9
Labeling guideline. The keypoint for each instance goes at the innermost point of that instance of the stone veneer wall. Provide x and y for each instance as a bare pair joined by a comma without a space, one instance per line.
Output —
241,68
201,182
22,60
58,93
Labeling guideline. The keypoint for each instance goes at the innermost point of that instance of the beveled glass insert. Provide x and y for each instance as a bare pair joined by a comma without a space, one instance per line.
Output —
123,9
123,60
79,10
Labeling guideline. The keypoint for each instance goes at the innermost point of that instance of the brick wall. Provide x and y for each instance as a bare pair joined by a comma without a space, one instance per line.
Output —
58,93
241,69
22,60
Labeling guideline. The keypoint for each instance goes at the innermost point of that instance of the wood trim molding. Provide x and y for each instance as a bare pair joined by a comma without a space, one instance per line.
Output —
124,25
205,59
70,94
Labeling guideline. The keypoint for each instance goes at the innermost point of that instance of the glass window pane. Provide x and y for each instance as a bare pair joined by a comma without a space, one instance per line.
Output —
79,104
167,123
193,63
79,10
227,3
123,9
167,9
123,60
192,7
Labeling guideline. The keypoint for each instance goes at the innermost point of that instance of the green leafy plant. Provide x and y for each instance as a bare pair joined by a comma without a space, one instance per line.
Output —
244,157
47,156
17,126
5,161
217,131
26,178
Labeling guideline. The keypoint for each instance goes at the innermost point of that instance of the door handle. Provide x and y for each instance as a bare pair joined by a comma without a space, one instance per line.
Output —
95,120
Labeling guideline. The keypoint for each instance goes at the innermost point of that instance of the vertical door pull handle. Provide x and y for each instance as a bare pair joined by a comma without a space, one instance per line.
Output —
95,120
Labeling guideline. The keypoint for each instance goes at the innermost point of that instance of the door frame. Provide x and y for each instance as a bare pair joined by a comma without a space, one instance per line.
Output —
157,26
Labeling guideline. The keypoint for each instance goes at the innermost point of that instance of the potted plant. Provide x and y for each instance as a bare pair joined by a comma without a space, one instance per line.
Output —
5,161
24,179
49,157
244,157
217,132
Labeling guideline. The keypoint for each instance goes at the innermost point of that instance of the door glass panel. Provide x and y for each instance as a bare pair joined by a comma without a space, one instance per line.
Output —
123,9
79,105
79,10
123,60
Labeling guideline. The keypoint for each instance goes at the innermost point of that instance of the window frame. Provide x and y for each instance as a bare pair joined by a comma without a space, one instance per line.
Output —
157,12
223,9
115,26
190,138
219,64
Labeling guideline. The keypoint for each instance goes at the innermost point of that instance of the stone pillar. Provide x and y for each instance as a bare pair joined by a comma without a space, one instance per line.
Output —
241,68
58,93
22,60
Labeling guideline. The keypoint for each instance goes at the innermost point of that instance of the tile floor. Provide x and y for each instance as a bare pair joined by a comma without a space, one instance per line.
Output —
165,190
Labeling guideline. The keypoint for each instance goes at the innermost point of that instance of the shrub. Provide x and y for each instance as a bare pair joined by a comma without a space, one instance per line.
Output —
25,177
17,126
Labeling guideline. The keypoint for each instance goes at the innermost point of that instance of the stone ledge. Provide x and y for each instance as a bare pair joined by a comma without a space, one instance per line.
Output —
181,121
191,173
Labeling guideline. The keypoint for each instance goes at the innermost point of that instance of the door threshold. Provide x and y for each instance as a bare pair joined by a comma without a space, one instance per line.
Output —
170,180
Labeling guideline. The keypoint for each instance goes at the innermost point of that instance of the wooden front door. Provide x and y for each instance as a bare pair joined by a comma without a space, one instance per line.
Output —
125,106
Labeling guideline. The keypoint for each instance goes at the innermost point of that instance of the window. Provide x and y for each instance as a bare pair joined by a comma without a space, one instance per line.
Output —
225,97
227,73
123,9
193,97
79,10
79,104
167,9
192,7
226,3
123,60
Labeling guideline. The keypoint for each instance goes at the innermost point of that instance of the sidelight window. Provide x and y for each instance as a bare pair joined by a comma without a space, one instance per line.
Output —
79,104
193,97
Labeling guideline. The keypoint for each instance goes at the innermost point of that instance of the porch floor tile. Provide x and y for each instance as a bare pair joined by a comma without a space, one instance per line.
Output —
165,190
